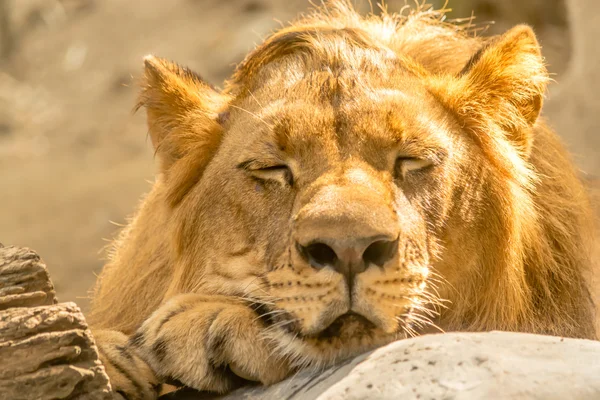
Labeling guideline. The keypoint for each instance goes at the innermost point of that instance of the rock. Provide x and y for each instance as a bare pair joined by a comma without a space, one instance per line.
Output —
498,365
24,279
46,349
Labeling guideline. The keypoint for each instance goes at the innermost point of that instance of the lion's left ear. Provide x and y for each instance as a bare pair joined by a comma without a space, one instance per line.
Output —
503,82
183,115
182,109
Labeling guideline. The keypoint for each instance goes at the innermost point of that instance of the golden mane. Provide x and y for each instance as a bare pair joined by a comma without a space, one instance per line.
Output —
421,35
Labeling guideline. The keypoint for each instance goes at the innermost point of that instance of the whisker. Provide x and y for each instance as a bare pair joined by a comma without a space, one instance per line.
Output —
423,321
280,324
274,312
286,349
250,283
290,380
410,332
254,115
253,300
255,99
419,319
430,313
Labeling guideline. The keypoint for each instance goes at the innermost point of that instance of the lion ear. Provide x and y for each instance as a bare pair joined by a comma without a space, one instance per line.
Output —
182,110
504,82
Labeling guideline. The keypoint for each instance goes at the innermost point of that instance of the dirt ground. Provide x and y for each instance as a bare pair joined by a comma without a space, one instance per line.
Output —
73,158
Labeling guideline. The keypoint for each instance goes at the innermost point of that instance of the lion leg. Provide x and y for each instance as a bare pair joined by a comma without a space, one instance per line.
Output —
199,340
130,376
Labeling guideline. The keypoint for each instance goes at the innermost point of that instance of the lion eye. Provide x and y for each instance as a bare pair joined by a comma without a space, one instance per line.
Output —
278,173
405,165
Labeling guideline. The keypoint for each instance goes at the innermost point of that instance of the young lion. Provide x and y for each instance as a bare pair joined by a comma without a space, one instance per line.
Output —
358,180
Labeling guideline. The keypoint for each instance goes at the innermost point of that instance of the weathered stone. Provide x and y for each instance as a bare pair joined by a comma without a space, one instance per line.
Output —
24,280
498,365
46,349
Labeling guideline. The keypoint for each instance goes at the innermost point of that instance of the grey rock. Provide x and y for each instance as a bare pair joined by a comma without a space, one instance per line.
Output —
498,365
46,349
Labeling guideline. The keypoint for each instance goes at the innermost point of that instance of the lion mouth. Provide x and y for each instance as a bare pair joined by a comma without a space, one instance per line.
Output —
346,325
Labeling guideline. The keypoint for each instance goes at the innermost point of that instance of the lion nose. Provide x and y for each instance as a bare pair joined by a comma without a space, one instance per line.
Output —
349,257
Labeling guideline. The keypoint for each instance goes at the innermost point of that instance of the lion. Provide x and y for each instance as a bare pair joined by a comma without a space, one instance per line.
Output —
359,180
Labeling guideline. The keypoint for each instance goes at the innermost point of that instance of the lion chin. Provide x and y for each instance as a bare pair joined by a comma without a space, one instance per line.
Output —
348,335
347,325
357,181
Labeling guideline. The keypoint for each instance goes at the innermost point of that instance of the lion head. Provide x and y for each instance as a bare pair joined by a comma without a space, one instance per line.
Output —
361,179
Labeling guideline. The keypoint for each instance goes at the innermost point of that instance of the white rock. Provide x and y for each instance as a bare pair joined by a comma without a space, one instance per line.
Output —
494,365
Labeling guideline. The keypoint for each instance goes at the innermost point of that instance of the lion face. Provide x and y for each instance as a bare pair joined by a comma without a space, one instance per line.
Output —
342,191
327,212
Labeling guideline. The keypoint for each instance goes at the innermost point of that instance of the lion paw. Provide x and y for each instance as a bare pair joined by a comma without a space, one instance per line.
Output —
130,377
208,343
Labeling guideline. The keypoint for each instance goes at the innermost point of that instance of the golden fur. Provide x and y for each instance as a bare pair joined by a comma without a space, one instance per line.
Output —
358,180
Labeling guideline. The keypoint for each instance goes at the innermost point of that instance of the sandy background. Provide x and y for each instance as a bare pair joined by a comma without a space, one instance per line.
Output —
74,160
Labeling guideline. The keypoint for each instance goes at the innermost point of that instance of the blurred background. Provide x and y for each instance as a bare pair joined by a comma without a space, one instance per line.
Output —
74,160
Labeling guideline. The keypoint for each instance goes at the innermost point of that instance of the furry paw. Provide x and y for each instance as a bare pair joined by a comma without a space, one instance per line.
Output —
208,343
130,377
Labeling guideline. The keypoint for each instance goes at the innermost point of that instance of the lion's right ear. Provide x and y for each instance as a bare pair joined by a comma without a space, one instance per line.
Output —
183,121
504,84
182,110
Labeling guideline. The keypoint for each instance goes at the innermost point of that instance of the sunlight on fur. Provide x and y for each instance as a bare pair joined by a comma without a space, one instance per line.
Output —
359,180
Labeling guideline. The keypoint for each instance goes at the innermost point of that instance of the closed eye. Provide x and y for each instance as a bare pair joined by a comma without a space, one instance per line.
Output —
279,173
406,165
